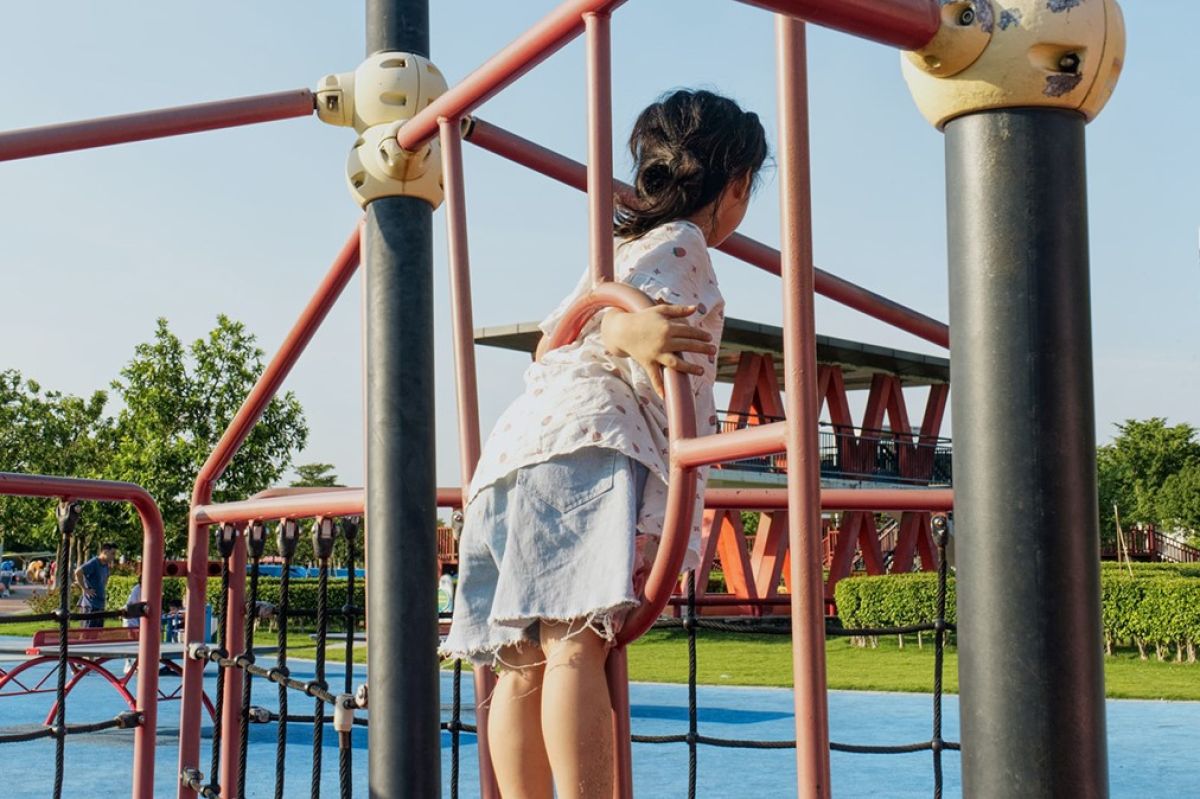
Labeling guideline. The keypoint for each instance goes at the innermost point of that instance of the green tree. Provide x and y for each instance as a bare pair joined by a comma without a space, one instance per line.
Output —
49,432
1179,500
1132,469
177,404
315,474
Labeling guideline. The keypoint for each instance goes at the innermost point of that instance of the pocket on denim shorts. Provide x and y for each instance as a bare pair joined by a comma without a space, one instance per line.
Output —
569,482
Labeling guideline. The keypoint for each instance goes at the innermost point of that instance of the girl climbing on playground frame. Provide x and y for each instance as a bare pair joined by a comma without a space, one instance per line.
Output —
568,499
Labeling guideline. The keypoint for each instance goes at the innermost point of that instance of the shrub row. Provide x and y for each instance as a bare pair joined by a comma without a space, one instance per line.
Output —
302,594
892,600
1155,607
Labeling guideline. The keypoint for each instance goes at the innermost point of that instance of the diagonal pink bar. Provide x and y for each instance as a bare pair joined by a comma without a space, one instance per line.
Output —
907,24
527,51
239,429
540,159
158,124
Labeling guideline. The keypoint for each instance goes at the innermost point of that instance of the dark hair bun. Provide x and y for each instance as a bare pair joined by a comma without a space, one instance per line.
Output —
687,148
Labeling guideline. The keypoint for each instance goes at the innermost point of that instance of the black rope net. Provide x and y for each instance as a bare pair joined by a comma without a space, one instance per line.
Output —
326,532
67,515
344,704
691,623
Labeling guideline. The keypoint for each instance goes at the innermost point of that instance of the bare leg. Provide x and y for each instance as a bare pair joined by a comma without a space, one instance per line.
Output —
515,726
576,712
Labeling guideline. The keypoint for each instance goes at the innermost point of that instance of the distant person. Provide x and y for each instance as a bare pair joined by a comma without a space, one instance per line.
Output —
173,620
92,578
36,571
7,572
135,596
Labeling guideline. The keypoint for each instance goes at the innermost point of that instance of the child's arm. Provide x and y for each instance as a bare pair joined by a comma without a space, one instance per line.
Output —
655,338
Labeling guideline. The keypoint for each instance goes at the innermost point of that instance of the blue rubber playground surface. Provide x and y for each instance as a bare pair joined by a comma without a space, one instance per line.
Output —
1150,744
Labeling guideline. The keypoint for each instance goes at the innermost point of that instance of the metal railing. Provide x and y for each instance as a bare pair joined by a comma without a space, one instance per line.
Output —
884,456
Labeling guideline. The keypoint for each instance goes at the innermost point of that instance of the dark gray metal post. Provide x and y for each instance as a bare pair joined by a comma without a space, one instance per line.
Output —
1028,562
401,488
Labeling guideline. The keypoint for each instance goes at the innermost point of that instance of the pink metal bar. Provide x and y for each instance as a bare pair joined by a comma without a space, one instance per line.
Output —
746,442
239,428
158,124
844,499
600,158
528,50
681,494
465,382
907,24
308,503
802,412
235,640
461,314
572,173
145,734
333,503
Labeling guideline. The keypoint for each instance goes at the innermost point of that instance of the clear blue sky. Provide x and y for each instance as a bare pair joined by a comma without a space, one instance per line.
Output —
98,244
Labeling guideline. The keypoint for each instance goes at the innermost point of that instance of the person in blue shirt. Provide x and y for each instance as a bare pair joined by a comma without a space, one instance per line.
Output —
92,578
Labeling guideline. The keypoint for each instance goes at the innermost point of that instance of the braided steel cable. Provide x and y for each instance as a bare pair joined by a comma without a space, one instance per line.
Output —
455,727
219,692
349,612
135,611
281,670
318,734
939,644
248,654
692,733
126,720
68,516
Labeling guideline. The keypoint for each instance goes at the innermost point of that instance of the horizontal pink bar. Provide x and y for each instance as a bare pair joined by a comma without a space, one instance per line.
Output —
281,503
746,442
727,601
531,48
343,502
107,131
572,173
907,24
844,499
36,485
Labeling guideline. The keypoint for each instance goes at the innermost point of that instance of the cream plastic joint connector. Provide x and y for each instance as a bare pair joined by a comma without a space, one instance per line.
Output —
1018,53
386,90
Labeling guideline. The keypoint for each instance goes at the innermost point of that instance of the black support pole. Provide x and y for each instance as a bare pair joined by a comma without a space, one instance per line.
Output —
401,489
1030,669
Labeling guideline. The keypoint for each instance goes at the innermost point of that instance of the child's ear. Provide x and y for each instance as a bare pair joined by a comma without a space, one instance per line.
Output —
741,189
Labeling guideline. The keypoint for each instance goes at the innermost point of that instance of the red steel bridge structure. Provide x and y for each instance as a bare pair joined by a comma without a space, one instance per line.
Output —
1021,351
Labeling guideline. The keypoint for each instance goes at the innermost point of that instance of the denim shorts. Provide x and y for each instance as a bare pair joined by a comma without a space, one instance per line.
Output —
552,541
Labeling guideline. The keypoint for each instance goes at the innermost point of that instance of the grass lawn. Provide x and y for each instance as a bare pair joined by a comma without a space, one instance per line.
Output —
765,660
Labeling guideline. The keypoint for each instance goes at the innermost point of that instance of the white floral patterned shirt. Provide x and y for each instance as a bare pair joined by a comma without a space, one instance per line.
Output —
581,395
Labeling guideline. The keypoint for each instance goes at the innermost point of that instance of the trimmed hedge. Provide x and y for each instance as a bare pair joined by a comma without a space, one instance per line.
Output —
1159,606
302,594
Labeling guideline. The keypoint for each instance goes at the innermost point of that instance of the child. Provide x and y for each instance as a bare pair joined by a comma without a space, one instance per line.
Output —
576,468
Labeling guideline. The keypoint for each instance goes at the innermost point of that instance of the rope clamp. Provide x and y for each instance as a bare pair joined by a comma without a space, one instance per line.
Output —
343,713
226,539
256,538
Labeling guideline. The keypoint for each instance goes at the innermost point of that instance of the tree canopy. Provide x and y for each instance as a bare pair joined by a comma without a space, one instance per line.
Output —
1151,473
175,402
